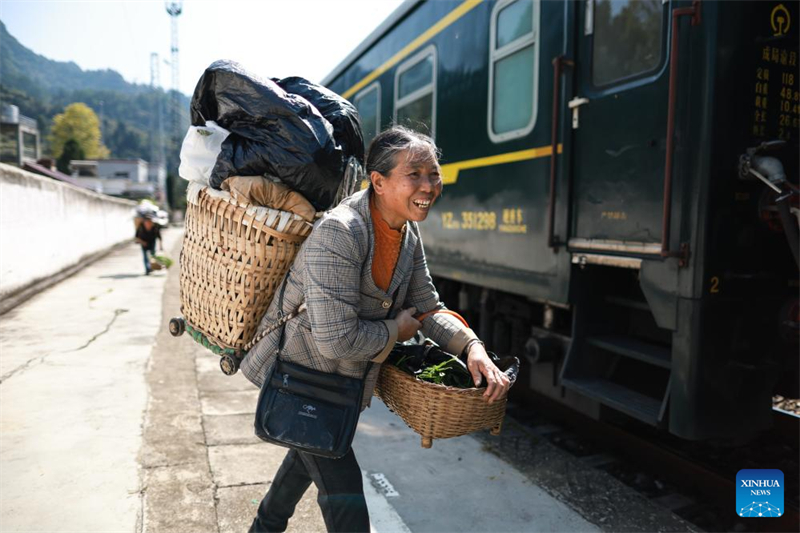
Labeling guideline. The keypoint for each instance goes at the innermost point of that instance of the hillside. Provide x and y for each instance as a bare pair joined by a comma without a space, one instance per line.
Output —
25,69
42,88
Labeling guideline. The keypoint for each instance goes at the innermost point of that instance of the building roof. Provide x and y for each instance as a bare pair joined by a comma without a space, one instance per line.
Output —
55,174
137,160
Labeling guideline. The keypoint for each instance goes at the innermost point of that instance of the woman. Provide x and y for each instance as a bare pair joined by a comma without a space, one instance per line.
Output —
363,276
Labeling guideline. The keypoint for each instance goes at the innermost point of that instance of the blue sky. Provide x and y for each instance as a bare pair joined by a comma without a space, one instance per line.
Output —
270,37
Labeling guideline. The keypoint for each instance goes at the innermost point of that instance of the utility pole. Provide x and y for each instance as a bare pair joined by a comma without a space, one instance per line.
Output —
157,153
157,121
174,9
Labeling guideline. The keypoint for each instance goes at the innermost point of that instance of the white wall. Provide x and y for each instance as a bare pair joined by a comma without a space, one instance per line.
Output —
48,225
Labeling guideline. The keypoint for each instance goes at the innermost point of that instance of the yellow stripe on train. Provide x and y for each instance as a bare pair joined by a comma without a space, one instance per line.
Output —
445,21
451,170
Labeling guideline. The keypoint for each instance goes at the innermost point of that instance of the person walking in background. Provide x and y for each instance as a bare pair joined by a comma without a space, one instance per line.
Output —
147,234
362,272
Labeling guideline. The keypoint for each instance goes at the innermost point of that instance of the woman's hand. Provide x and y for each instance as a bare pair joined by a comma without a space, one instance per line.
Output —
407,325
478,363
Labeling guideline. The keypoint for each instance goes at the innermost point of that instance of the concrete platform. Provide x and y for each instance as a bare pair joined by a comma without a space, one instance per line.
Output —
72,397
108,423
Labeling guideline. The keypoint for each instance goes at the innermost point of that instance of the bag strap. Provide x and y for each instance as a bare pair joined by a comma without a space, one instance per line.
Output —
283,319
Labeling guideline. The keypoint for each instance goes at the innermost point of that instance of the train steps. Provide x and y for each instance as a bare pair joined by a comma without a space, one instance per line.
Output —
636,349
618,355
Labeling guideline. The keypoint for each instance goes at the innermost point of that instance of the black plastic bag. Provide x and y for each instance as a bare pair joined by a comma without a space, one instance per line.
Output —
272,132
342,115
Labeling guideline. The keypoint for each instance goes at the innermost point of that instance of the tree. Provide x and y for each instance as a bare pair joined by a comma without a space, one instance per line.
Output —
176,192
72,151
124,141
80,123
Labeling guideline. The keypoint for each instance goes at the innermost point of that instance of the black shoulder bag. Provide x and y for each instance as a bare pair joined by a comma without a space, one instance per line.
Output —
305,409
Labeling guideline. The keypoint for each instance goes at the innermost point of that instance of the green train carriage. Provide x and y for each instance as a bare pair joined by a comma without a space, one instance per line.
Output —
599,212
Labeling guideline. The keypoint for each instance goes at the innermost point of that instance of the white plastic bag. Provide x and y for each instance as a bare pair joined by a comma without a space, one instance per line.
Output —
199,151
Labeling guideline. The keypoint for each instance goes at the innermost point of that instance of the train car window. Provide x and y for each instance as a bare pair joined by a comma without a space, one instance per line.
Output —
513,22
415,92
513,69
627,39
416,77
368,103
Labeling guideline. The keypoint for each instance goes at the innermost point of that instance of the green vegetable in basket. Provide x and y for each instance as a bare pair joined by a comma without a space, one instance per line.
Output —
431,364
439,374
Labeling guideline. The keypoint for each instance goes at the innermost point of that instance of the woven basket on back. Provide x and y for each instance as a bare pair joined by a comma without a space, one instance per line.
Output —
436,411
232,260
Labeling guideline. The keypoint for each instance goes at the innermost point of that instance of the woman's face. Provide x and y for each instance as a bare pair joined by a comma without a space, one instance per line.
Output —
409,191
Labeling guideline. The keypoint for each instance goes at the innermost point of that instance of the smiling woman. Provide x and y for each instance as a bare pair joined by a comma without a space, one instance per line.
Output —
407,191
363,276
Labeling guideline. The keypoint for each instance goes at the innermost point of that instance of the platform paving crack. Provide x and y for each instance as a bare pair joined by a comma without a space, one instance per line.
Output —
215,486
236,485
23,367
117,312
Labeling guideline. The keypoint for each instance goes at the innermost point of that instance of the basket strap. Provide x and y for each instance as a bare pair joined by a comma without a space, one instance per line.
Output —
282,319
277,324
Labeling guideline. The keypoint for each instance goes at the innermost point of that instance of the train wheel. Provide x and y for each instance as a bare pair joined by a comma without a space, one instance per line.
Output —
229,365
177,326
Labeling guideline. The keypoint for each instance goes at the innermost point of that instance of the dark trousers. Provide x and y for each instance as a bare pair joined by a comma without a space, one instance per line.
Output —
152,252
341,493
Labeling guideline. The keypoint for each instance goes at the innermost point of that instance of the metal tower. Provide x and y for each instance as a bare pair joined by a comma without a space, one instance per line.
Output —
157,151
174,9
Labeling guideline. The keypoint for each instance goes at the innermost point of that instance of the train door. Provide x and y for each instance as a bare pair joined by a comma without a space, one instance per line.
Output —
618,354
619,125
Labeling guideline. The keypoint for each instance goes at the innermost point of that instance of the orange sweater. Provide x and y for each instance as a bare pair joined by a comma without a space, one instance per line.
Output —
387,249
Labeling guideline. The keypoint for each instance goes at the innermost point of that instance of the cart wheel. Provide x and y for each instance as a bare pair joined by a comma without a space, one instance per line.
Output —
229,365
177,326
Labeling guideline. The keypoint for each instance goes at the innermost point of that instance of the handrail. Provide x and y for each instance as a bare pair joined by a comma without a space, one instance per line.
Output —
558,63
683,254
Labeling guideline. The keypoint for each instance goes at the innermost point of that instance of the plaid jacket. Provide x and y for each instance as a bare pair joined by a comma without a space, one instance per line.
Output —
349,320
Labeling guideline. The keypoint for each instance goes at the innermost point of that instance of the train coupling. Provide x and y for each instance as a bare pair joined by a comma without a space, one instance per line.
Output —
766,168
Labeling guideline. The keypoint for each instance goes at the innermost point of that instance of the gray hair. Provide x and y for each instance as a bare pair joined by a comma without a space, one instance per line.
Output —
383,150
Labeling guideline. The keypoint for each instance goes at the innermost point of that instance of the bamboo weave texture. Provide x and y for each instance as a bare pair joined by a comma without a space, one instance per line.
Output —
231,265
436,411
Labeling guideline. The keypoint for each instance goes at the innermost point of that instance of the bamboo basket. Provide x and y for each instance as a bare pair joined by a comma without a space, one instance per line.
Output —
232,260
436,411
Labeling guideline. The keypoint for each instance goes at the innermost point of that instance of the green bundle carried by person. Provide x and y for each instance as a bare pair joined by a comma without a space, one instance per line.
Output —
163,260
